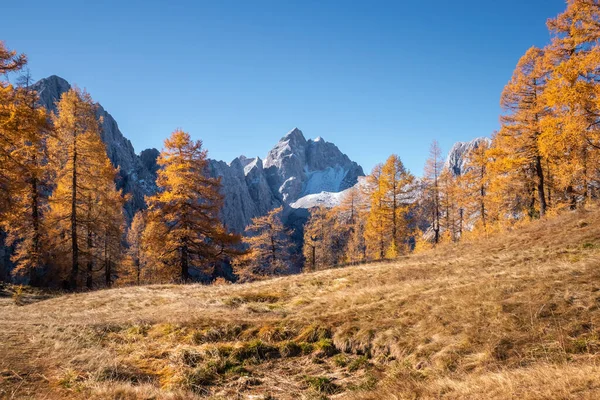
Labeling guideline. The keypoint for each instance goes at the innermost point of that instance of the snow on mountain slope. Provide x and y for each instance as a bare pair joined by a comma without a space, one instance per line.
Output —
327,199
323,199
327,180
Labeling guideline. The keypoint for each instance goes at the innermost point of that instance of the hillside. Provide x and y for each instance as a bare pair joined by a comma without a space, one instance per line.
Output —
516,316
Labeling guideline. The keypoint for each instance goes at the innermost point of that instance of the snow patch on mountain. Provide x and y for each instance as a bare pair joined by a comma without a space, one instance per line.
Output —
323,199
327,180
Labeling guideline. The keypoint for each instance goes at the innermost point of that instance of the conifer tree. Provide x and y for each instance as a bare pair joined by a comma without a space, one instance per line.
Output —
135,249
25,130
449,205
351,215
518,142
391,189
474,185
10,61
269,246
84,189
376,236
571,133
431,189
321,240
398,186
183,230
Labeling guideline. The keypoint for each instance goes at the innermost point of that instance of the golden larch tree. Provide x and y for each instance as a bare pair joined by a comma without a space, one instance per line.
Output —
269,247
24,132
183,229
518,142
83,188
571,133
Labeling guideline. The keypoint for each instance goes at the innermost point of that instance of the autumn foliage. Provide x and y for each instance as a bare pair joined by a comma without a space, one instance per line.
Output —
61,210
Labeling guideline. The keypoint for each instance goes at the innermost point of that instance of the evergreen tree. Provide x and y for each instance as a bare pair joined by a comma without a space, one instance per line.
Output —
517,144
269,244
183,230
25,130
431,189
84,189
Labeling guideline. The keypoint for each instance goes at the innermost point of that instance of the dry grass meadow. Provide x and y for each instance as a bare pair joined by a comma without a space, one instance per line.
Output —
514,316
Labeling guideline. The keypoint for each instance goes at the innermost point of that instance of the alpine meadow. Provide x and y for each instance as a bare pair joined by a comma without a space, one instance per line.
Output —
167,274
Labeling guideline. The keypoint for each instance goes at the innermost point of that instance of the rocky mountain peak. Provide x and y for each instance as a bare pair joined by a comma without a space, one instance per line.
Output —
50,90
458,155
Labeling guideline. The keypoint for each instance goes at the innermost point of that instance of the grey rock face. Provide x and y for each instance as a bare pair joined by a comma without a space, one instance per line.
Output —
149,159
297,167
134,177
458,156
294,168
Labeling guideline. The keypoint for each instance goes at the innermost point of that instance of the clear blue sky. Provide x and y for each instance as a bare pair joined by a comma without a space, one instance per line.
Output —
374,77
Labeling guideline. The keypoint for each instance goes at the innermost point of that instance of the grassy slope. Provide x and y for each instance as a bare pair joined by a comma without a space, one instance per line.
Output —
514,316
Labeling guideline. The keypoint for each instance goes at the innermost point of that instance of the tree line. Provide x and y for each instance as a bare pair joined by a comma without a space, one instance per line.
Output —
62,213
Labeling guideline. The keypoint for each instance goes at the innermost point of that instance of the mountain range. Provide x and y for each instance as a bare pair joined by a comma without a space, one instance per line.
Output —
294,168
297,173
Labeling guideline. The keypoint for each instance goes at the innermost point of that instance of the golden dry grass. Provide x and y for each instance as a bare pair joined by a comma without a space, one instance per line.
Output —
514,316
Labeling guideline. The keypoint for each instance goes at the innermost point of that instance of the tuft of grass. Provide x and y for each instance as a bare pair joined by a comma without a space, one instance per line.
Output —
314,333
341,360
325,348
199,378
256,351
322,384
253,297
18,295
290,349
358,363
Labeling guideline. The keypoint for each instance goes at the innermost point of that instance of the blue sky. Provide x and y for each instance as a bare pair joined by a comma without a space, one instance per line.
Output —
374,77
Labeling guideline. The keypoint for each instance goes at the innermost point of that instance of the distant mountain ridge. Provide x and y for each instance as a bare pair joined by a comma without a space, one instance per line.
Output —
294,167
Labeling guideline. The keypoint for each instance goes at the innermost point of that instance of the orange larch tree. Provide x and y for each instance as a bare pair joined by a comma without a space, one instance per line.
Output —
183,229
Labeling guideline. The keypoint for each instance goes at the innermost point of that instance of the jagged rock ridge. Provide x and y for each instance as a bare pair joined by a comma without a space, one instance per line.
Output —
295,167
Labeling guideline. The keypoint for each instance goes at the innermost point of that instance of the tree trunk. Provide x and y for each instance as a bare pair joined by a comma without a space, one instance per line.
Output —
185,274
74,246
137,269
90,262
540,185
35,219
